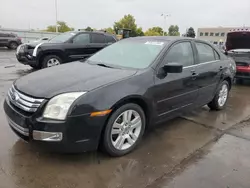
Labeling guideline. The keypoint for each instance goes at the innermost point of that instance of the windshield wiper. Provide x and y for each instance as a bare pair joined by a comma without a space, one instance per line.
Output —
104,65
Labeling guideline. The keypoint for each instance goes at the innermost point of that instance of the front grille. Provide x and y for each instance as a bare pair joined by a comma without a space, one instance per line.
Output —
23,102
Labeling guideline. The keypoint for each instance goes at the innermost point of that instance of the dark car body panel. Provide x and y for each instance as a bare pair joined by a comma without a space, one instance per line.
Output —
163,96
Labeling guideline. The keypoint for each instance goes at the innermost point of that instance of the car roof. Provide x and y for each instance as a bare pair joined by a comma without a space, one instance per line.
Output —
165,38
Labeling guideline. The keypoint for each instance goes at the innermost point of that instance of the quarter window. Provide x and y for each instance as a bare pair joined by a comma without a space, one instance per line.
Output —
110,39
82,39
98,38
181,53
205,52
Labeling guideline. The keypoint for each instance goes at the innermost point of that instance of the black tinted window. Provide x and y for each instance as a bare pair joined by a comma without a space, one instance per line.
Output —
82,39
181,53
110,39
98,38
3,35
205,52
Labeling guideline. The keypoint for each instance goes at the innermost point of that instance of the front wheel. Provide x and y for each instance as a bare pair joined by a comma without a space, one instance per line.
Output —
220,99
50,61
13,45
124,130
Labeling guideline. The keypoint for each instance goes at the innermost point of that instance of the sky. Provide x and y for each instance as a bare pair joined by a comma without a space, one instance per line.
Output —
38,14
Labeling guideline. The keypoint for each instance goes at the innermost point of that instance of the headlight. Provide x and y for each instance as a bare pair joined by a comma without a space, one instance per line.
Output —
58,106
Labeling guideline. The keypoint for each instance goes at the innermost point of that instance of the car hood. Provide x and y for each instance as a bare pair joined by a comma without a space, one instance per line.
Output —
42,43
76,76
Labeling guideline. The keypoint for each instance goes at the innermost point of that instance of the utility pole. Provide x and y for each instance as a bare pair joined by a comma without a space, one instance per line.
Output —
56,16
165,22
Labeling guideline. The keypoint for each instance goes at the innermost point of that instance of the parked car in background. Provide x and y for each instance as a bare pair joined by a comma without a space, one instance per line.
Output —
111,98
238,48
64,48
9,40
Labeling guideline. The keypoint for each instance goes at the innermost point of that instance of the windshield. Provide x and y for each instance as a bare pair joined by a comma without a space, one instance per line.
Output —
62,37
238,40
137,54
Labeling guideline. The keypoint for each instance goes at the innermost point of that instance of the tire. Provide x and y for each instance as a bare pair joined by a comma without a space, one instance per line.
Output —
219,101
128,136
53,58
13,45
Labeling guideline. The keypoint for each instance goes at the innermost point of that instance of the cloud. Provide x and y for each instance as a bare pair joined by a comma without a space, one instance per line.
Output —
100,14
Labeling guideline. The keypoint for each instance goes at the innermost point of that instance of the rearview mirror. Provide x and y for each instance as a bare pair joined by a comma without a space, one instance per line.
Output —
173,68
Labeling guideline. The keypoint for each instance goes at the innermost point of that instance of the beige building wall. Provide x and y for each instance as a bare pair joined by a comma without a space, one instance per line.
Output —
215,35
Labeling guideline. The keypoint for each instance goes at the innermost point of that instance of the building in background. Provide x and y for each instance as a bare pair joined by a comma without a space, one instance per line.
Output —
216,35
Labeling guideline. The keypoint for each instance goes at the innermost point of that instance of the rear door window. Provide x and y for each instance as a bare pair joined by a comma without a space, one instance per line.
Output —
205,52
82,39
98,38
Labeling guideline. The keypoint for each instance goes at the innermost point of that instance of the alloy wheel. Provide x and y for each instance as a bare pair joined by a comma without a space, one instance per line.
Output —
126,129
223,94
53,62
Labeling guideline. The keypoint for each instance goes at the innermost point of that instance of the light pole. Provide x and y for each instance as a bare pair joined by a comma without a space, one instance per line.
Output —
165,21
56,16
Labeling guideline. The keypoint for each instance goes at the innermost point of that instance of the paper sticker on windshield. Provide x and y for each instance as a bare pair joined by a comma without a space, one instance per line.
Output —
154,43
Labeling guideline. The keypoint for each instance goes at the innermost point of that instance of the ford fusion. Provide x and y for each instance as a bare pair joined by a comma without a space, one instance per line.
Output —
109,100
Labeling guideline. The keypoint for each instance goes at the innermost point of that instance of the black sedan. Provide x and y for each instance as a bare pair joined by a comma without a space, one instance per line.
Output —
109,100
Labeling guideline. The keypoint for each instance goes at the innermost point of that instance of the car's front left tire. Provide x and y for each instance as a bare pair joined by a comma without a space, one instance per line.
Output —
124,130
51,60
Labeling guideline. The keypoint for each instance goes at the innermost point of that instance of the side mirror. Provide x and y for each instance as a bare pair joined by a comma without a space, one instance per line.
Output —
173,68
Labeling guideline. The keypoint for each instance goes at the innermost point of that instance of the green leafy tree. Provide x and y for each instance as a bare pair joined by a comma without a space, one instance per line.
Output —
128,22
139,32
190,32
173,30
109,30
155,31
62,27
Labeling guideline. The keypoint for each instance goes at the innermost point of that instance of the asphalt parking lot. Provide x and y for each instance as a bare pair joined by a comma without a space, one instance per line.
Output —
201,149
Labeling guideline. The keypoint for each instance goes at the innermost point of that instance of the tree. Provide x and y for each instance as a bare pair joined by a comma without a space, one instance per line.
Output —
190,32
88,29
139,32
128,22
62,27
155,31
173,30
109,30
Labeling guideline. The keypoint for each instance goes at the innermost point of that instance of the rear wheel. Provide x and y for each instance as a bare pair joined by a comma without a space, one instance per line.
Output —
220,98
51,60
124,130
13,45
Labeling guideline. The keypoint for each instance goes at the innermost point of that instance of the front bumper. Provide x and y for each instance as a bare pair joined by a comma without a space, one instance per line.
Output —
26,59
76,134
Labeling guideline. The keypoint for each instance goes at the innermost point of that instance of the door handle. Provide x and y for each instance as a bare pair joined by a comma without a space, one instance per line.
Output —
221,68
